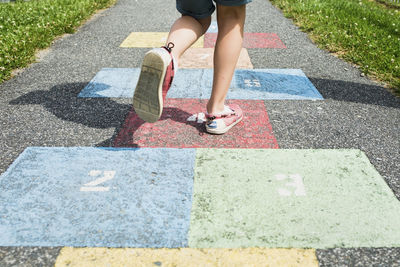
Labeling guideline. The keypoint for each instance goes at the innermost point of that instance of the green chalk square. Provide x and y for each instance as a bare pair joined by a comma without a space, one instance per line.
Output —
255,198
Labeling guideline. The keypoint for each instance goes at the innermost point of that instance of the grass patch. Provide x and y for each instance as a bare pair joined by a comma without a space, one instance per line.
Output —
364,32
26,27
390,3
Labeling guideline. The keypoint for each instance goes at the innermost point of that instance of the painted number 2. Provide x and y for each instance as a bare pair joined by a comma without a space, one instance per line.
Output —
296,183
103,176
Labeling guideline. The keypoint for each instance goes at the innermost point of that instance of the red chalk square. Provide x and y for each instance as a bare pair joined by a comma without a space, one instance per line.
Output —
179,128
250,40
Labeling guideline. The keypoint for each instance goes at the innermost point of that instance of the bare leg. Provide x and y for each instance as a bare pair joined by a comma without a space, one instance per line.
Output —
227,50
185,32
151,89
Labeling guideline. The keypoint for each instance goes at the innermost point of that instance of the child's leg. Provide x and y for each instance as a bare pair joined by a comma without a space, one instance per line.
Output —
185,32
227,50
158,69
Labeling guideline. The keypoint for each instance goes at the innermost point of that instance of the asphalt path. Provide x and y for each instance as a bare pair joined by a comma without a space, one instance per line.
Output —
40,107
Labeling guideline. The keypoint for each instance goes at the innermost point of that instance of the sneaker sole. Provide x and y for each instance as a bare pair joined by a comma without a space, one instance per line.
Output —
147,100
222,131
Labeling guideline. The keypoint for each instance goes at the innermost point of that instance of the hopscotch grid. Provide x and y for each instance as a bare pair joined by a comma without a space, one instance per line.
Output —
247,84
91,185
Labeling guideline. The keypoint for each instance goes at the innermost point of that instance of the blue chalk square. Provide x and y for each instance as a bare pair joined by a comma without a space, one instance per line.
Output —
272,84
97,197
112,82
251,84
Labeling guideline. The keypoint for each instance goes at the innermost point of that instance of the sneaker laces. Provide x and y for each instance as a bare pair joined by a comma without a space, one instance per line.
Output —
169,46
225,113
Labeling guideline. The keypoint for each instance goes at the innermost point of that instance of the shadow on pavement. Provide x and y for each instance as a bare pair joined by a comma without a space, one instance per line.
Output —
62,101
355,92
127,136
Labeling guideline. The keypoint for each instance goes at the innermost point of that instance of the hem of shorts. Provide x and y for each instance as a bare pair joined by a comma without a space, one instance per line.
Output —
232,3
196,16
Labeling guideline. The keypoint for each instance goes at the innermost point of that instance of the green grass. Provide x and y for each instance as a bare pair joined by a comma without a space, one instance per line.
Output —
391,3
364,32
28,26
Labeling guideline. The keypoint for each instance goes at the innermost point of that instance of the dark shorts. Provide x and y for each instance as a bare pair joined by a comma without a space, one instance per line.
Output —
200,9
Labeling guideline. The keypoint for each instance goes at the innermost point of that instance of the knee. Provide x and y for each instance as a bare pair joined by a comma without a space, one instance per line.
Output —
205,23
231,12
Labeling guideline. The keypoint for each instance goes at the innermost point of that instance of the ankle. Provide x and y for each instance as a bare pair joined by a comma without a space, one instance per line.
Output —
214,108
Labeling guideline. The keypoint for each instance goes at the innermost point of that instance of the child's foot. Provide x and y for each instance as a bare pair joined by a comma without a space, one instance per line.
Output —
222,122
154,82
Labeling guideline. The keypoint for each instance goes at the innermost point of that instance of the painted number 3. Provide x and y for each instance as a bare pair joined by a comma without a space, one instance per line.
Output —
103,176
296,184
